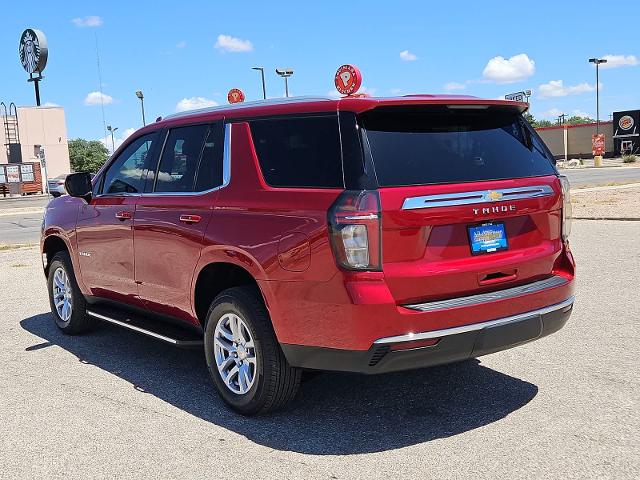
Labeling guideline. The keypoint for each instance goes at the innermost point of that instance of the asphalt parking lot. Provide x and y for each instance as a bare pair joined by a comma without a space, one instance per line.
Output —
113,404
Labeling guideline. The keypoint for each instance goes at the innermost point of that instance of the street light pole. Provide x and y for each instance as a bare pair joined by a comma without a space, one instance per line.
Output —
597,62
285,73
264,88
141,97
113,142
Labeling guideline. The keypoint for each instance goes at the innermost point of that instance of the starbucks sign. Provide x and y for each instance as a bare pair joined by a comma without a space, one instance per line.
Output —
33,51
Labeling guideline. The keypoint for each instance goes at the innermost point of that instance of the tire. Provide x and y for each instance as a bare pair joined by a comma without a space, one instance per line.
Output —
270,382
62,279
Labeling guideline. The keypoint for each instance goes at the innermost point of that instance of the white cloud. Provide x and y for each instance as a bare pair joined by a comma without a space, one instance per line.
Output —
97,98
451,86
502,70
615,61
181,44
117,137
227,43
50,104
396,91
556,88
407,56
193,103
580,113
551,114
90,21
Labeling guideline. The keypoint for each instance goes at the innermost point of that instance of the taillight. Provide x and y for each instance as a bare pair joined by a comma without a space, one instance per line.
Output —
354,221
566,207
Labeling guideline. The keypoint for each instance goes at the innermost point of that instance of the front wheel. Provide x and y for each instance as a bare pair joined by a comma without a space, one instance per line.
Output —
68,306
245,361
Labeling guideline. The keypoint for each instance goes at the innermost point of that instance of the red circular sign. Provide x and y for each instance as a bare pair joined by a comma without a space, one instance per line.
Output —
235,95
348,79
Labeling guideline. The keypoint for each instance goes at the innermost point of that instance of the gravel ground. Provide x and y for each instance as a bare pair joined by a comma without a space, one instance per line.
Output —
606,203
113,404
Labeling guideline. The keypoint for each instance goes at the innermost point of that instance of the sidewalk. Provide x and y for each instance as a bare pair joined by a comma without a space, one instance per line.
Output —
607,203
606,162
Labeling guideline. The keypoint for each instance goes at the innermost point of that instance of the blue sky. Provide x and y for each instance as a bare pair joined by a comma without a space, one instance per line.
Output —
190,53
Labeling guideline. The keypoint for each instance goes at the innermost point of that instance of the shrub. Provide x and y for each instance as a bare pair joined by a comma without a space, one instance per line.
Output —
630,158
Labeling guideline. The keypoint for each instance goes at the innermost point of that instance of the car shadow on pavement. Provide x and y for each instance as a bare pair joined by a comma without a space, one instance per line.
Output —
334,413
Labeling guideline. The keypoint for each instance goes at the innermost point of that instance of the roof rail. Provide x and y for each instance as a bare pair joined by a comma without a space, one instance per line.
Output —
238,106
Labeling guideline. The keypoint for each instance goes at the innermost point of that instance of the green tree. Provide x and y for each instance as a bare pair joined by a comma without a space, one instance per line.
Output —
536,123
576,120
87,155
543,123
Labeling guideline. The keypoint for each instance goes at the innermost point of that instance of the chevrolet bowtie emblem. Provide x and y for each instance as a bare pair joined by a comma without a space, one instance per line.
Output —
494,196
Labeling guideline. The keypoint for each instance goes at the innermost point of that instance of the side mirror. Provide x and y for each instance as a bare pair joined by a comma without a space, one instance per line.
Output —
79,185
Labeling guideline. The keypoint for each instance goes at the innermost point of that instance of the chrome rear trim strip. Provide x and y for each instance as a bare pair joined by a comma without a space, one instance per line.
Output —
476,326
480,298
478,196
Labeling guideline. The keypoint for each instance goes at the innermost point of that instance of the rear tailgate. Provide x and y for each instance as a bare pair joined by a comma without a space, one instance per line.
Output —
443,170
427,253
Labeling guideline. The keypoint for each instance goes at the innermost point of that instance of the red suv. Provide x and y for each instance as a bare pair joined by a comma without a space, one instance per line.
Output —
362,234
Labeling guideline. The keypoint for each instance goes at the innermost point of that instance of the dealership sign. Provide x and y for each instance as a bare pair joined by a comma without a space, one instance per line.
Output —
33,51
519,96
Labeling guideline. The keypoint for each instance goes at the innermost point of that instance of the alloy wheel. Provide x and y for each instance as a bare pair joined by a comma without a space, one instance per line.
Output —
62,294
235,353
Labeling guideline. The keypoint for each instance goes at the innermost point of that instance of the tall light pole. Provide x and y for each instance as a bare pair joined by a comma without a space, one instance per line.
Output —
597,62
113,142
264,88
141,97
285,73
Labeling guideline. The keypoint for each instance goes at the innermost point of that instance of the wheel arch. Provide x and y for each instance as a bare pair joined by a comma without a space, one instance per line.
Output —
52,245
215,277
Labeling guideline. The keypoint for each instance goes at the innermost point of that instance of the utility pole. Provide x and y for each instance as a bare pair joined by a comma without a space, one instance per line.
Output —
597,62
264,87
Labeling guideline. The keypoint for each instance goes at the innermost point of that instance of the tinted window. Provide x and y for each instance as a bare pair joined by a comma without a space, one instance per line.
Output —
299,152
440,145
180,157
128,172
210,169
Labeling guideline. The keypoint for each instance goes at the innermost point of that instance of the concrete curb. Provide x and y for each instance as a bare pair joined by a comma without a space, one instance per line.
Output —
604,188
617,219
21,211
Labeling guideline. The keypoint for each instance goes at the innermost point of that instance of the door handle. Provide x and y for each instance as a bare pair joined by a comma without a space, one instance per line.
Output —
123,215
190,218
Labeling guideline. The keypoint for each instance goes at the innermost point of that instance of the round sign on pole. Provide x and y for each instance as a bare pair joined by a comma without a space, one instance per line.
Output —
235,95
348,79
33,51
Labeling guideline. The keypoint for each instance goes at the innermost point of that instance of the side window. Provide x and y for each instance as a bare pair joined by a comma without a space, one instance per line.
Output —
128,172
180,159
299,151
210,169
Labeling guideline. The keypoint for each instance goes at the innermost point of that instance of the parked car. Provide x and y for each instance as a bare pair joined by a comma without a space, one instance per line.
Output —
364,235
56,185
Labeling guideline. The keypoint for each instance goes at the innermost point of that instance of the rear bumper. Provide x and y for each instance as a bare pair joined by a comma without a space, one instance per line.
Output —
453,344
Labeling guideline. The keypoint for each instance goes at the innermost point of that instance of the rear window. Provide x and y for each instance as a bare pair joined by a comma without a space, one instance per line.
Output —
441,145
299,151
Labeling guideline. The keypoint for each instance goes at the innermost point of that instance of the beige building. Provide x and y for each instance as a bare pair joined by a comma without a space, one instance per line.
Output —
574,141
34,128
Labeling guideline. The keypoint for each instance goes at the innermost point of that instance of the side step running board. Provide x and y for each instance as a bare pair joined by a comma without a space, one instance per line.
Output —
158,330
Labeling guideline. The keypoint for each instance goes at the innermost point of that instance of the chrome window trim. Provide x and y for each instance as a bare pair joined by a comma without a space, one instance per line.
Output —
477,196
533,287
568,303
226,171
